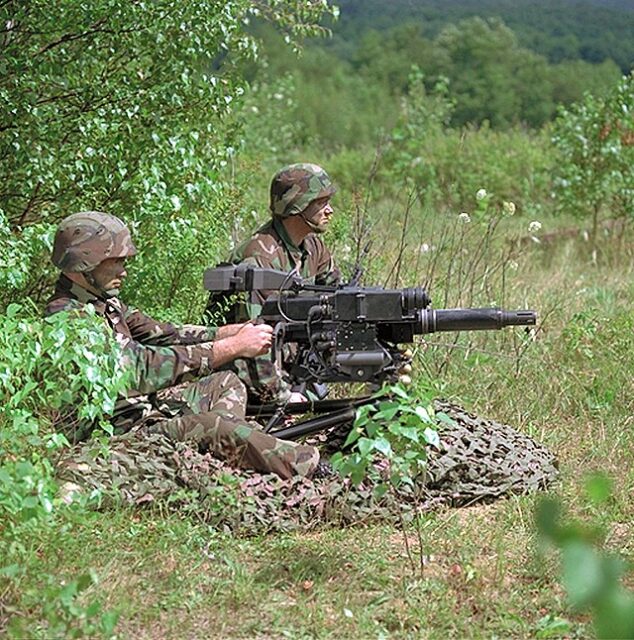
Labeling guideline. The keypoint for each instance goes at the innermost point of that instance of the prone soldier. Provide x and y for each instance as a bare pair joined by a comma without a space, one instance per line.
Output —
175,388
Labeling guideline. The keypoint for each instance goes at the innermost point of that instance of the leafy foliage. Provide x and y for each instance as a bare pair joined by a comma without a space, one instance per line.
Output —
595,141
350,86
397,429
180,146
590,30
591,577
92,118
66,614
57,377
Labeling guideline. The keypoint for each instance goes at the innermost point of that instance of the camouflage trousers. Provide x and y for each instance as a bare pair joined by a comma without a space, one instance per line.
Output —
211,413
261,379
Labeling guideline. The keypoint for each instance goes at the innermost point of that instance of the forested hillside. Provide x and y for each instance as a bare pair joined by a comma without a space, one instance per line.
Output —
589,30
499,63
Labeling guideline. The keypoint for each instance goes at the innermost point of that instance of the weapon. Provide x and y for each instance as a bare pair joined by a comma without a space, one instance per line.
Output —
347,333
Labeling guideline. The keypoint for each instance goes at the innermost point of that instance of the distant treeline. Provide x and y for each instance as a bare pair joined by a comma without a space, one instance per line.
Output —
346,95
590,30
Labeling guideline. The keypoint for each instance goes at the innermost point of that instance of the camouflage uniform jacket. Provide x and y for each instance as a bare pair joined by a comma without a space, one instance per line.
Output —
271,247
159,354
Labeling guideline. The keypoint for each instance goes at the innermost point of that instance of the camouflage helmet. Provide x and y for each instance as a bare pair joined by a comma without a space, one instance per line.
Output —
84,240
295,186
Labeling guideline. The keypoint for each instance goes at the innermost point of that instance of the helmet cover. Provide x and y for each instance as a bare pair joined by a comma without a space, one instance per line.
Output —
84,240
295,186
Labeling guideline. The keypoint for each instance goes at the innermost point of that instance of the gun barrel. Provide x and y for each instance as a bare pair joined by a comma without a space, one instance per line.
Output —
433,320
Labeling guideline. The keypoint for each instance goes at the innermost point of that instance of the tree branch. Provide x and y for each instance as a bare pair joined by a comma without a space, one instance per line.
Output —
29,204
70,37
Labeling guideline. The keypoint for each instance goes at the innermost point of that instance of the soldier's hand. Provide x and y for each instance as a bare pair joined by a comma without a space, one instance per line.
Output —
228,330
254,340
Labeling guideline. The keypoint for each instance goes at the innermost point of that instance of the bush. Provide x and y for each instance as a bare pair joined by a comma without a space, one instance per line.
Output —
55,376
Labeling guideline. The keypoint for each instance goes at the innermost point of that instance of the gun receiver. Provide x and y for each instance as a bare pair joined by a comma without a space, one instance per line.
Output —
350,333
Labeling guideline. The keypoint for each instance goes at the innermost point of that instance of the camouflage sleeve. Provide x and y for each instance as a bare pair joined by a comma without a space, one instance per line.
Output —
156,367
327,271
151,332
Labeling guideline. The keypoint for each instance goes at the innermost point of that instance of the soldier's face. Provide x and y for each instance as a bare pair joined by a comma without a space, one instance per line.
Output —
319,213
108,276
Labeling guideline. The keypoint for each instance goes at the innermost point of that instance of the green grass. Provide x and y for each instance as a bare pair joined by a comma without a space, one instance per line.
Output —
170,577
483,574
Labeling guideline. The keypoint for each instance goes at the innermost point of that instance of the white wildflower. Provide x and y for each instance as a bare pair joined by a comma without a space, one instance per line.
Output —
481,194
513,265
424,248
176,202
509,208
464,217
534,226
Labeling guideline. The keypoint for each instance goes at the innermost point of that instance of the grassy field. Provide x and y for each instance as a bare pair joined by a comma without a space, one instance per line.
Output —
476,572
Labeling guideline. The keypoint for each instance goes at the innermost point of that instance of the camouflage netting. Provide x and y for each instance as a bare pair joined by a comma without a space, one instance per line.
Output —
478,460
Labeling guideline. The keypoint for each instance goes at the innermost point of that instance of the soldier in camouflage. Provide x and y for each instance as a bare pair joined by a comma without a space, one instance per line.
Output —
301,211
174,390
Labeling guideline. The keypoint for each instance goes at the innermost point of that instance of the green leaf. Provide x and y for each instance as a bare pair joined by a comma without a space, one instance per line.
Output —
380,490
357,474
30,502
353,436
47,504
399,391
583,575
372,428
395,428
431,437
423,414
599,488
11,570
365,445
108,622
552,627
443,417
411,433
86,580
383,446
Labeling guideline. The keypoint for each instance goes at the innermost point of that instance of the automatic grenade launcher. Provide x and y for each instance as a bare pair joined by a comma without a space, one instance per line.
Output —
349,333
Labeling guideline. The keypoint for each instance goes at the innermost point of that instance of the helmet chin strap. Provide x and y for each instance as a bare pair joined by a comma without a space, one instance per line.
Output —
314,227
110,293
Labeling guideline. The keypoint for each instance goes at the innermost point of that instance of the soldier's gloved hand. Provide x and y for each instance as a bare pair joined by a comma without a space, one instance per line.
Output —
253,340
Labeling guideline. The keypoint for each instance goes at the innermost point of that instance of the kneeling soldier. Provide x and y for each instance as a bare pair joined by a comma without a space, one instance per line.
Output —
173,390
